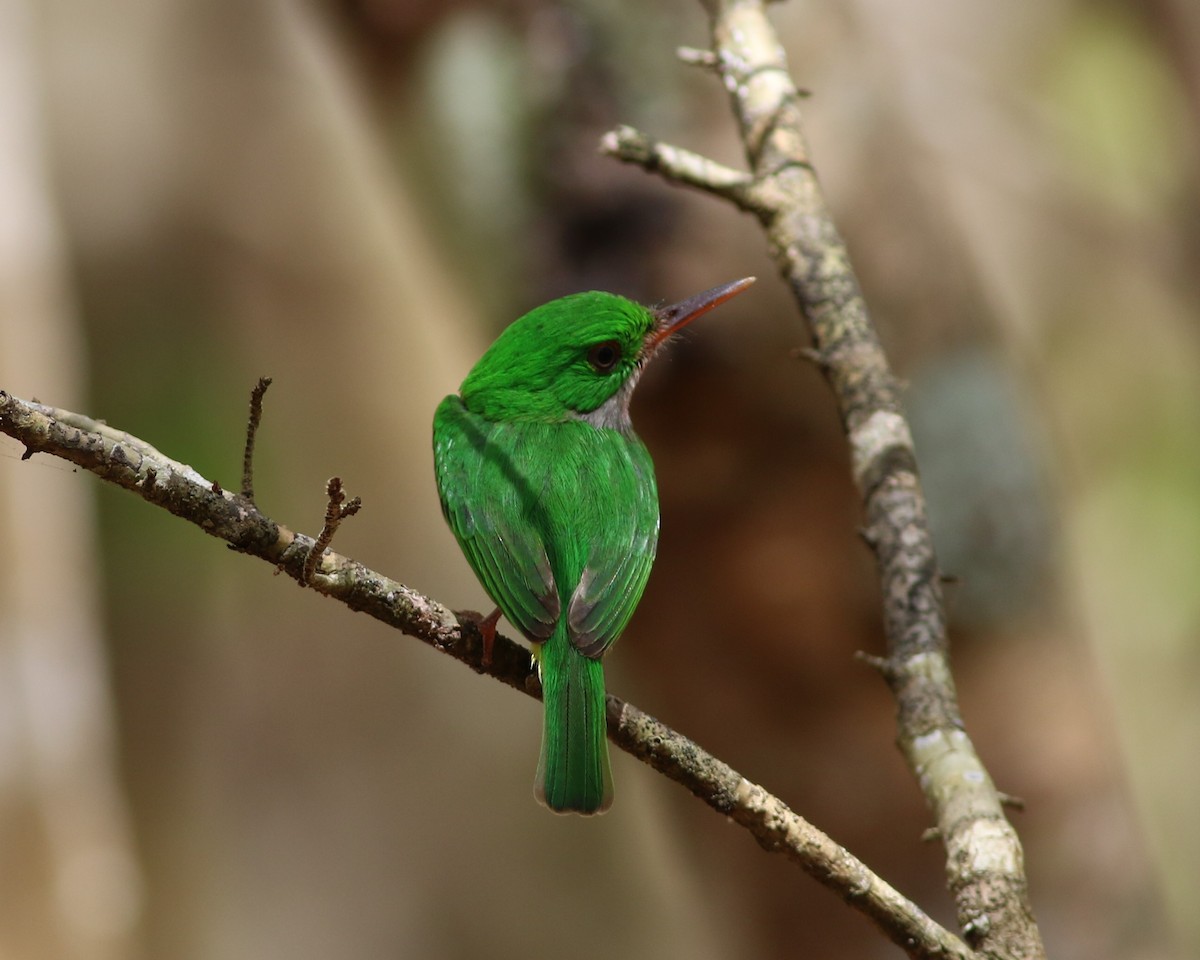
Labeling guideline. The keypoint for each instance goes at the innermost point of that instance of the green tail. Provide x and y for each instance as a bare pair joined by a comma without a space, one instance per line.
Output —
573,772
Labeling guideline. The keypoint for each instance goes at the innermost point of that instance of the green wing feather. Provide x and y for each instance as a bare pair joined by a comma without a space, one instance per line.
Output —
550,514
618,562
487,505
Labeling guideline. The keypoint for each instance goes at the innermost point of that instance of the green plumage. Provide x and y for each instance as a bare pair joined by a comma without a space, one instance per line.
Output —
553,500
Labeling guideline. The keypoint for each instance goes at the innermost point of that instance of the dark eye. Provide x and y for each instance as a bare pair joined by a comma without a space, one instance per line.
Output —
604,356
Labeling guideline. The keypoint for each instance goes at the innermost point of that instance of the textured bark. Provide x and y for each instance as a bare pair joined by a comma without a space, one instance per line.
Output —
138,467
985,867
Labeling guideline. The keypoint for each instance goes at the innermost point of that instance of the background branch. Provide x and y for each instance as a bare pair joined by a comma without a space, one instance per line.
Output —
137,466
984,858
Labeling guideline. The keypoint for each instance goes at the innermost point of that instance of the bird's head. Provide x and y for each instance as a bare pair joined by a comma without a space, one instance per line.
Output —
579,357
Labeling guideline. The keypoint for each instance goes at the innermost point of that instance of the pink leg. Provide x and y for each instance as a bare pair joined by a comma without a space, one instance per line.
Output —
487,630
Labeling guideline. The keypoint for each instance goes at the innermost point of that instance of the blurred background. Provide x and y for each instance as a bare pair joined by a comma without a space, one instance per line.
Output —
199,760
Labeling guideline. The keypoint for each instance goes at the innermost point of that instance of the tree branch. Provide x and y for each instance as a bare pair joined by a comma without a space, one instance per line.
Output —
985,864
681,166
137,466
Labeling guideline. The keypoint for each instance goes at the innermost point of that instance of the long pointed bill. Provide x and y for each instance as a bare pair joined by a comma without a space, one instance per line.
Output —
674,318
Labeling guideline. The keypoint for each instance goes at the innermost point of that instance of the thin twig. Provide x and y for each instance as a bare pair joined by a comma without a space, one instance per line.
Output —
336,510
695,57
985,864
681,166
881,664
255,418
136,466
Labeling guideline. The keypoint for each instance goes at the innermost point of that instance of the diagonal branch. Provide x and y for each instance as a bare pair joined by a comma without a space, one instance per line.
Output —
985,864
138,467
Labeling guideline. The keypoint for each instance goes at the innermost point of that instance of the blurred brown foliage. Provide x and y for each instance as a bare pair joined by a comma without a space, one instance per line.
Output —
353,197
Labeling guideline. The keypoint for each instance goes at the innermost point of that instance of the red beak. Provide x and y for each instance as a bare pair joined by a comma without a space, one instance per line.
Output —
675,317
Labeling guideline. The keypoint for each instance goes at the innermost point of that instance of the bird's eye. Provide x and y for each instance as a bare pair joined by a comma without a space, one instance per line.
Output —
604,356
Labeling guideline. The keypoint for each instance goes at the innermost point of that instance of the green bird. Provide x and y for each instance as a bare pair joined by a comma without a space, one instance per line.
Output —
553,500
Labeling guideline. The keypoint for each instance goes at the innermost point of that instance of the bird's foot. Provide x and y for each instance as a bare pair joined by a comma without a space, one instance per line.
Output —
487,630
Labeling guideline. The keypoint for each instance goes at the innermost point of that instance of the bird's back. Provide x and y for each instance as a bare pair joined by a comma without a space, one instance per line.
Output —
550,515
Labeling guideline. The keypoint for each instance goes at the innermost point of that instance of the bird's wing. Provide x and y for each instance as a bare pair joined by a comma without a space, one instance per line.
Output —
489,506
621,550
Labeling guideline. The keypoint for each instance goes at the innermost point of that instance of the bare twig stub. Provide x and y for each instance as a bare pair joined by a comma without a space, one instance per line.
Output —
984,858
255,418
336,510
135,465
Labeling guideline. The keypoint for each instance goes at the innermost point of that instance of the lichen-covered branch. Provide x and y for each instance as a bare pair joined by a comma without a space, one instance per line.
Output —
138,467
984,859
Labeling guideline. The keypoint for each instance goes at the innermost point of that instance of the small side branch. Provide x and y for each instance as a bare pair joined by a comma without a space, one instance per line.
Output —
697,57
336,510
136,466
256,398
681,166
